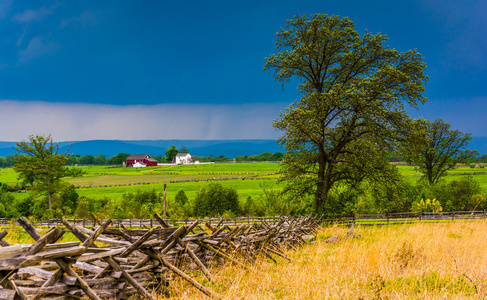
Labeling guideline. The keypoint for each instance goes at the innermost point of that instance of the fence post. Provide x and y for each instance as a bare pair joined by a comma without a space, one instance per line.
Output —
387,216
453,216
420,215
84,223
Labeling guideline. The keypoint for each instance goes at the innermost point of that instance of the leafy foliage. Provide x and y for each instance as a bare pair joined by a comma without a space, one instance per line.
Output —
118,159
428,205
171,153
215,200
68,200
441,150
351,112
40,164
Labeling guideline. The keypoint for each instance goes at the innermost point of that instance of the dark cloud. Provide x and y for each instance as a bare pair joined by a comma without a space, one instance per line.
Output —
165,121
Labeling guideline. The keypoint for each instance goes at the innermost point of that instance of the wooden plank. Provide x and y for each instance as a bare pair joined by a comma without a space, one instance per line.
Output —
45,274
40,243
19,262
2,235
10,251
107,253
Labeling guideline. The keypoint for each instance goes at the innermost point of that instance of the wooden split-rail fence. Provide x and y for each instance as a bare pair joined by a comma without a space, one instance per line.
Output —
144,223
406,218
133,263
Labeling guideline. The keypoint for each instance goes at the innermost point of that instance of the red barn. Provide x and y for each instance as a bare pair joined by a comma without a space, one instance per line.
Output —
143,159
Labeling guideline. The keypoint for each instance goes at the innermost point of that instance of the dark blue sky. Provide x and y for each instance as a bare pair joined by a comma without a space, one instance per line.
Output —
131,69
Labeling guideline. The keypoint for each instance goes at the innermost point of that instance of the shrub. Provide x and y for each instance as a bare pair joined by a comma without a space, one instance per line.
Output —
68,200
181,198
427,206
215,200
141,204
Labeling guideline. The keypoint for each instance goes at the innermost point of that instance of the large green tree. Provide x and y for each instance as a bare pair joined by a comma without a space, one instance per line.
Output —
40,164
352,108
440,150
171,152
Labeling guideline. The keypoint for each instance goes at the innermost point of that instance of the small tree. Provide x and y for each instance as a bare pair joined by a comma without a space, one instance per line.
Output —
181,198
40,164
440,151
171,152
68,200
118,159
183,149
215,200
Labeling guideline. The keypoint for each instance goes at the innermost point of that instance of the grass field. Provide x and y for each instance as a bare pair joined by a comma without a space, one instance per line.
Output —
131,179
421,261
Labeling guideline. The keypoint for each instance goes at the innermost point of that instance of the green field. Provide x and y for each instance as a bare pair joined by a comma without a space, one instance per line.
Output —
251,178
101,181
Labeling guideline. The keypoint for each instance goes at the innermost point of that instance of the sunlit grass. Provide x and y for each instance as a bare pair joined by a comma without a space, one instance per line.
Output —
419,261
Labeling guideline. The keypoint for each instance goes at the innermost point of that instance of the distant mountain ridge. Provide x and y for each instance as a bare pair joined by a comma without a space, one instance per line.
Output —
229,148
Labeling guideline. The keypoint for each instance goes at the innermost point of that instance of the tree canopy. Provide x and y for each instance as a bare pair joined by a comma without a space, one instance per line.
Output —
40,164
352,108
440,150
171,153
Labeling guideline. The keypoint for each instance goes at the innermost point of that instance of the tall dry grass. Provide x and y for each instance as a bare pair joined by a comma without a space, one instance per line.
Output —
422,261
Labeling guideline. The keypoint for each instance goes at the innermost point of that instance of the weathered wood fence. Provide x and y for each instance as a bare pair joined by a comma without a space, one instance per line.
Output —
131,263
407,218
145,223
359,219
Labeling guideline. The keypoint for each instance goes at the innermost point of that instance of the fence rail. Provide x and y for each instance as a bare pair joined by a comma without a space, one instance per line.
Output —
346,220
147,223
407,218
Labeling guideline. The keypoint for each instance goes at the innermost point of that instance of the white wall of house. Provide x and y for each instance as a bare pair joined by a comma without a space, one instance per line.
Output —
183,159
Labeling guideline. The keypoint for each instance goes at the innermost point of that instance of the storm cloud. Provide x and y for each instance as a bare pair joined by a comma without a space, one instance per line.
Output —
79,121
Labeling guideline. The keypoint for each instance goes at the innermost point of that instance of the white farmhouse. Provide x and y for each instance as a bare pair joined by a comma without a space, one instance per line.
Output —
182,158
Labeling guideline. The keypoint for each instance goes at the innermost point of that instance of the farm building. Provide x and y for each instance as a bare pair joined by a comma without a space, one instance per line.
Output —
182,158
141,160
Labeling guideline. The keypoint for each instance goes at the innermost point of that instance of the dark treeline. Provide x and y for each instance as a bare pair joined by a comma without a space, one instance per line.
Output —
266,156
102,160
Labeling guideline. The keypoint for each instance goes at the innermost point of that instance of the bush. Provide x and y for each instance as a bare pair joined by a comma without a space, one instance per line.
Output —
181,198
68,200
427,206
215,200
141,204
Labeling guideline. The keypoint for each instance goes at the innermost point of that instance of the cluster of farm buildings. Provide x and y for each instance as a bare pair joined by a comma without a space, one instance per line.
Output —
145,160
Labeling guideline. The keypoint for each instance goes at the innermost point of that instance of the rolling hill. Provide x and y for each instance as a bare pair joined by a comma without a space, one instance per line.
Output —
229,148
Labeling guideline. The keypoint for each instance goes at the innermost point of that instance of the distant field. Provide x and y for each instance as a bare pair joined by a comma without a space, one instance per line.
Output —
480,174
252,177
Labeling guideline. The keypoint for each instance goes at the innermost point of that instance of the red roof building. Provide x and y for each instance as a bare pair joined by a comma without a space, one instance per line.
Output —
143,159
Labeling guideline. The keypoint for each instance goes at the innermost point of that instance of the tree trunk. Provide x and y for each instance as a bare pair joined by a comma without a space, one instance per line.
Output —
48,190
322,186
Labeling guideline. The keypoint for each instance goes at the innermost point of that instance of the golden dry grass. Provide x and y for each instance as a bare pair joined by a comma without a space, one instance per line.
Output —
421,261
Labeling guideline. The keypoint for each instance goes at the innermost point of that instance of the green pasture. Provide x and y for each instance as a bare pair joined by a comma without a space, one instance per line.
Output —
480,174
111,182
245,188
8,175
